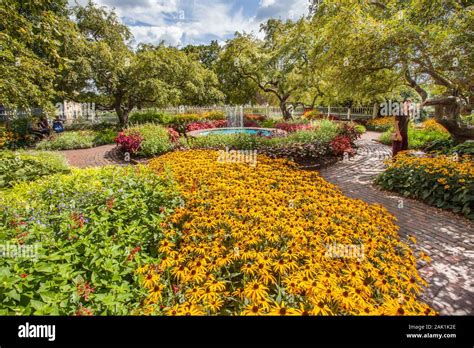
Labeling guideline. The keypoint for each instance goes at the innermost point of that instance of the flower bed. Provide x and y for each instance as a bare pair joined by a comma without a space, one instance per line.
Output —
440,181
292,127
205,125
83,235
257,240
380,124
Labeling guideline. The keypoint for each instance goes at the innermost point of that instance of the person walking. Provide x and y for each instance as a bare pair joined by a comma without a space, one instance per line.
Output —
400,134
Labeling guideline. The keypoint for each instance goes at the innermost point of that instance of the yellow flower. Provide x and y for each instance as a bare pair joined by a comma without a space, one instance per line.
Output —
150,280
238,243
255,291
282,310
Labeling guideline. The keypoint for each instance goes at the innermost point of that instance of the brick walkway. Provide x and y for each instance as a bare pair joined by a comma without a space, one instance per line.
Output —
94,157
447,238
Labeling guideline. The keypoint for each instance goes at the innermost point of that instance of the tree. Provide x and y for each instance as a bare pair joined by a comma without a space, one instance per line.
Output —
206,54
275,65
32,39
379,47
122,79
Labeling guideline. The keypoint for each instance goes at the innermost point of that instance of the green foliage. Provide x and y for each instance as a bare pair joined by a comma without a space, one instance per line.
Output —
466,148
360,129
32,51
78,140
142,117
155,139
221,141
22,166
91,230
440,181
268,123
418,139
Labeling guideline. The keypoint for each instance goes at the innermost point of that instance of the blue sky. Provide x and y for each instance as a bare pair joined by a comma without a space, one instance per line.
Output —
181,22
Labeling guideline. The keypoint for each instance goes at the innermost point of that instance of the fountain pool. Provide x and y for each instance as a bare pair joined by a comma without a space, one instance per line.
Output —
265,132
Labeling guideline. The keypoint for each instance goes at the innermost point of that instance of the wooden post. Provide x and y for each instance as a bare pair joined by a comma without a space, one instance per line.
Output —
349,114
329,110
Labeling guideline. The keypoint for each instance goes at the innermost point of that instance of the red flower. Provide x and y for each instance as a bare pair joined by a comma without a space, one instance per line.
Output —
341,144
198,125
292,127
23,275
129,141
174,135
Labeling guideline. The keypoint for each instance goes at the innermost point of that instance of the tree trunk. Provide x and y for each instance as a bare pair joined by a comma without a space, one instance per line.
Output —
447,113
122,113
284,110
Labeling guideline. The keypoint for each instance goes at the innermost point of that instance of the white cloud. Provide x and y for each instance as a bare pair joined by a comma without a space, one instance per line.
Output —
179,22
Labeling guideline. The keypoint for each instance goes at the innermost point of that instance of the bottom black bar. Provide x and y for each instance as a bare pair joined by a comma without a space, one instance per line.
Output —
135,331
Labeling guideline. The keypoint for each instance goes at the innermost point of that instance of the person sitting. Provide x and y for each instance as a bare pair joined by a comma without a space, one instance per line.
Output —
43,126
58,125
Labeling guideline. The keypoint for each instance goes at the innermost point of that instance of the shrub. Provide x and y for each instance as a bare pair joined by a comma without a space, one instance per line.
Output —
101,126
292,127
255,117
155,139
313,115
418,139
21,166
464,149
173,135
214,115
143,117
80,139
268,123
91,230
341,144
440,181
250,123
360,128
205,124
349,130
129,141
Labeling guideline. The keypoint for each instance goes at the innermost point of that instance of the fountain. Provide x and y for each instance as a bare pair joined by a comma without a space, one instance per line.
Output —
235,125
235,116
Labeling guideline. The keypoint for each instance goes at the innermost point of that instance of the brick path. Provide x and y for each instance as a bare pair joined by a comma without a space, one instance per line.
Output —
447,238
93,157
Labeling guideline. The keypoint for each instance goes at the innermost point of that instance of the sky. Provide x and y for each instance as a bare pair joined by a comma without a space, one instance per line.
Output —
183,22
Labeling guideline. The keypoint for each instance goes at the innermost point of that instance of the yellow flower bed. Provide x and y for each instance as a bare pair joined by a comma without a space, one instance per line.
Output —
443,181
431,124
262,240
